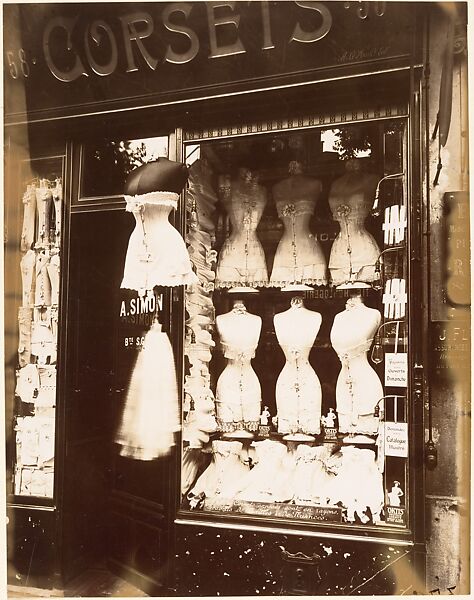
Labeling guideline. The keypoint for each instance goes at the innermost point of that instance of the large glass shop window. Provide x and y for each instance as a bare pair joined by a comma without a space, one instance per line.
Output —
295,387
38,265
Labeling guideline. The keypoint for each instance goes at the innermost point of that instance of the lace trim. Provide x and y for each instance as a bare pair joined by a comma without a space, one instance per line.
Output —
303,280
232,284
231,426
237,353
136,203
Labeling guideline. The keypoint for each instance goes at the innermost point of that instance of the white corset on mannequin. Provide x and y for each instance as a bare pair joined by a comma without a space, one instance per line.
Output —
238,392
29,213
354,252
241,261
298,390
156,254
358,387
43,203
299,258
27,267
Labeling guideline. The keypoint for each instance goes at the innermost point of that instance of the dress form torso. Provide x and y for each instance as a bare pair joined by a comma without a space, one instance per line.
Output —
358,387
238,391
354,251
241,260
156,253
298,390
299,257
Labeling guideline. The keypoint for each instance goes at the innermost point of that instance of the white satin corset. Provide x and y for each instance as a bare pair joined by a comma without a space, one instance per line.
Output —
296,214
299,257
245,212
156,254
241,260
354,252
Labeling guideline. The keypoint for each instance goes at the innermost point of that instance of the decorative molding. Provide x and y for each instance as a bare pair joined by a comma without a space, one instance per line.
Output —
316,120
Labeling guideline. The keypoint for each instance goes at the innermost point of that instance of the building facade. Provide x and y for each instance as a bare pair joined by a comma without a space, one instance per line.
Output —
321,339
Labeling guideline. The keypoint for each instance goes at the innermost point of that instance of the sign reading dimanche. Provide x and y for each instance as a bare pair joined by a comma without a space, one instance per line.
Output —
70,58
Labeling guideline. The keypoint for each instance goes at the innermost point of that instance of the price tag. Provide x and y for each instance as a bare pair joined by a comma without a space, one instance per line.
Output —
396,439
396,369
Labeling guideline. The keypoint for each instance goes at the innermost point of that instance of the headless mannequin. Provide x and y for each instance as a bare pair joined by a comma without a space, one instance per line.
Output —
298,390
43,203
299,258
238,392
354,251
358,387
241,261
29,212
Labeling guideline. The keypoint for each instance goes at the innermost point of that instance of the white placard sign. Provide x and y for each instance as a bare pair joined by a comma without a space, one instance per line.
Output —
396,439
396,369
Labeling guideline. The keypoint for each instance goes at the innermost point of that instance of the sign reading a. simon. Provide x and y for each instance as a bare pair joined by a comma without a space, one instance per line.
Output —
76,58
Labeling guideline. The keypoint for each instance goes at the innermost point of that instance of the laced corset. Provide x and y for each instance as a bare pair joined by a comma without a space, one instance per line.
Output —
156,253
296,213
299,257
355,251
296,354
358,387
241,259
245,211
350,211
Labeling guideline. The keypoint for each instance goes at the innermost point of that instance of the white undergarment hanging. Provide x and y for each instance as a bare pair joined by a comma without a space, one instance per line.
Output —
156,254
150,417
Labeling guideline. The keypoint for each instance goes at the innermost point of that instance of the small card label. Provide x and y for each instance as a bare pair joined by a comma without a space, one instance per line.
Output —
264,431
395,515
396,369
330,433
396,439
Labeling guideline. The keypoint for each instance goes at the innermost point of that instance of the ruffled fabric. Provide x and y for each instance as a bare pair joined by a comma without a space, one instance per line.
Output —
151,412
156,254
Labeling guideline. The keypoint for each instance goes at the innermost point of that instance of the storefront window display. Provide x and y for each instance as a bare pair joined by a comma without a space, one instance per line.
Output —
39,267
296,378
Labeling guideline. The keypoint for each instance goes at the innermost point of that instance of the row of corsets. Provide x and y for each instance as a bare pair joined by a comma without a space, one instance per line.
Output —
42,214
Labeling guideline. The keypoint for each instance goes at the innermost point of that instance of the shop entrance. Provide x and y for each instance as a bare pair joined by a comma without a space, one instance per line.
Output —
116,507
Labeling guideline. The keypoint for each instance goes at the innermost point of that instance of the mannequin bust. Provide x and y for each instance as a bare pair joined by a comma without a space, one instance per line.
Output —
354,251
298,258
241,261
358,387
238,392
156,253
298,390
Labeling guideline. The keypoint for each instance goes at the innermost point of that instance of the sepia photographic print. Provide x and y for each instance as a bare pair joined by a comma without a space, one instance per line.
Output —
237,329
